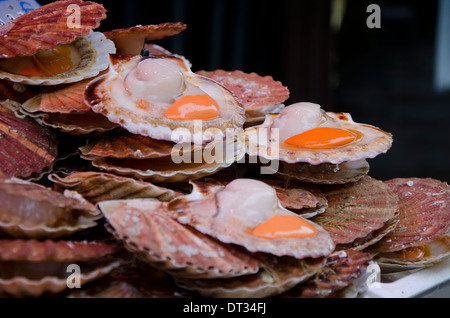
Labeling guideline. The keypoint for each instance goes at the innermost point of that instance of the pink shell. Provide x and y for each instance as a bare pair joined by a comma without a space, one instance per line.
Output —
255,92
424,213
356,210
46,27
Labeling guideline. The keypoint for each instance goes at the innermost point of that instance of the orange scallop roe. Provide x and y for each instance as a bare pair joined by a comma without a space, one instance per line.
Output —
285,226
416,252
322,137
50,62
193,107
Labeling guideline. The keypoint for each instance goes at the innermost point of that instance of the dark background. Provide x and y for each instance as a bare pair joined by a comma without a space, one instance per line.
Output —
383,77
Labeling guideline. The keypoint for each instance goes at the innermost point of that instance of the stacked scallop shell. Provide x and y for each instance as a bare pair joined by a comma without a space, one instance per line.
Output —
99,169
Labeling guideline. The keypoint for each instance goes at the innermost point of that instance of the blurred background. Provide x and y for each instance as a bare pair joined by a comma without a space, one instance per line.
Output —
396,77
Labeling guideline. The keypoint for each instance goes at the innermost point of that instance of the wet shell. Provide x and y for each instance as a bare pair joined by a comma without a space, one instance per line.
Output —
358,213
203,210
31,210
27,150
131,40
111,97
158,239
161,161
259,95
89,56
47,26
429,255
325,173
276,276
32,268
341,270
265,142
424,213
96,187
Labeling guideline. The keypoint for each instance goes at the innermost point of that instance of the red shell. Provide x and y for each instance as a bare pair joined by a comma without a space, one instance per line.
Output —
32,250
424,213
26,148
356,210
46,27
254,91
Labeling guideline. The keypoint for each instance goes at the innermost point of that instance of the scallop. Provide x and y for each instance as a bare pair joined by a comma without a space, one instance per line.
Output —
304,133
160,97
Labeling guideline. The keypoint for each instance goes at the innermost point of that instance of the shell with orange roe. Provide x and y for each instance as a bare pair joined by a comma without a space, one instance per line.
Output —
248,213
31,268
160,97
304,133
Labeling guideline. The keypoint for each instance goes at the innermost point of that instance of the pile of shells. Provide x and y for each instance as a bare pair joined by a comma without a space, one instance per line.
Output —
95,204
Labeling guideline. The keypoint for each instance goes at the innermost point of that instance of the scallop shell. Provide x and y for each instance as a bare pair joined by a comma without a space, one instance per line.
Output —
110,97
32,268
259,95
341,270
201,210
130,41
276,276
325,173
371,141
46,27
96,187
434,252
31,210
156,161
27,150
158,239
62,107
424,213
93,51
358,213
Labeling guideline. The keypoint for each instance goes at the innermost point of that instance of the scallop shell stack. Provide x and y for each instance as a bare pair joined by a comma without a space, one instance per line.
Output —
161,181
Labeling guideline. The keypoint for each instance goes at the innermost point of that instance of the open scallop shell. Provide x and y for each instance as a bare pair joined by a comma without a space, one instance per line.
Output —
203,211
31,210
341,270
96,187
166,244
371,141
32,268
276,276
130,41
433,253
46,27
27,150
157,161
91,57
358,214
424,213
111,97
259,95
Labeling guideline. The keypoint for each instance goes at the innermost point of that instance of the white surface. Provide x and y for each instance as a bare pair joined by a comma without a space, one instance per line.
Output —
429,282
